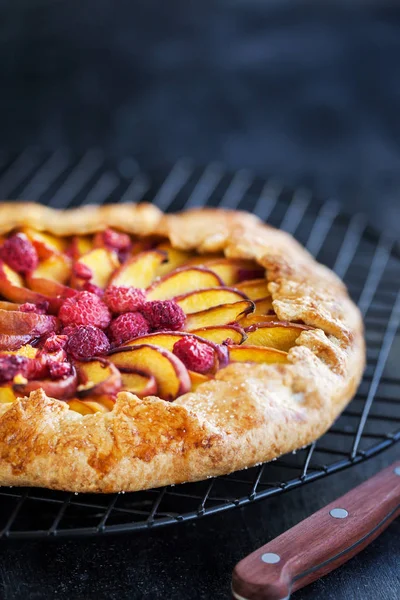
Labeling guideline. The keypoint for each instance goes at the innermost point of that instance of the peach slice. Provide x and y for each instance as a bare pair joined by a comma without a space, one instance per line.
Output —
56,267
8,305
256,354
201,259
219,315
197,379
255,289
256,319
169,372
220,333
207,298
97,378
87,407
108,401
7,394
27,350
263,306
175,258
13,322
79,407
49,288
45,244
14,342
100,404
59,388
281,336
140,384
182,282
96,406
164,339
12,288
140,270
231,270
81,244
12,276
102,263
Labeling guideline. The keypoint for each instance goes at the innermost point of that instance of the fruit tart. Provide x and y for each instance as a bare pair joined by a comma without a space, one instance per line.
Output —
139,349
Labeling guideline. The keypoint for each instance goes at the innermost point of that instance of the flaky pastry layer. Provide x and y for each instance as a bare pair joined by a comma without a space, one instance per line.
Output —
248,414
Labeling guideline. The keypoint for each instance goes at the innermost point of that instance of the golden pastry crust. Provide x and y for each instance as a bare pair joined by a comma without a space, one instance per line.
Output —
247,415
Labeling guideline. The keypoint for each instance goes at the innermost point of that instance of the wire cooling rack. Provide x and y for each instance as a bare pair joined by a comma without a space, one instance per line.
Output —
367,261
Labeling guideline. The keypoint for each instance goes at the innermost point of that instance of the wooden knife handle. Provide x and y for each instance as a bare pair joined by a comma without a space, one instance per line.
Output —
320,543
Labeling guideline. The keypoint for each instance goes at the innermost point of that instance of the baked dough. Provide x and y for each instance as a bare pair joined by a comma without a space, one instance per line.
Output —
247,415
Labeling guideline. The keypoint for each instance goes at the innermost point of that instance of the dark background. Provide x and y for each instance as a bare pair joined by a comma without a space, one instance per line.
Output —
308,92
305,91
194,561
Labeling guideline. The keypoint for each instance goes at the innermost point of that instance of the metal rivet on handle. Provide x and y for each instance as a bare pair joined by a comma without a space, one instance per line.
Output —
339,513
397,470
270,558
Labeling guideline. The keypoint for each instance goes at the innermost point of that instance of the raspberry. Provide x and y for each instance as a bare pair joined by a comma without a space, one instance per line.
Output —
28,307
194,354
19,254
40,309
86,342
82,271
85,309
12,365
116,240
52,352
67,331
128,326
54,343
59,370
124,299
93,289
164,314
45,358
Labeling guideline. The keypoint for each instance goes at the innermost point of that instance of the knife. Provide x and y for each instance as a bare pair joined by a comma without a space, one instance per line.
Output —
320,543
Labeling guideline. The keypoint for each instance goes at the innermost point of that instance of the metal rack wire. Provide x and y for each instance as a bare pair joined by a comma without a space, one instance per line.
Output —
368,262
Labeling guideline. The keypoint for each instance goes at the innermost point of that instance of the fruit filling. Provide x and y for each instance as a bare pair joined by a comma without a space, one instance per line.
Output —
86,317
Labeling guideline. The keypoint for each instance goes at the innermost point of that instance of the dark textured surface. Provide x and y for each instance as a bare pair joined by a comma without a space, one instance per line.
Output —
307,93
195,560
